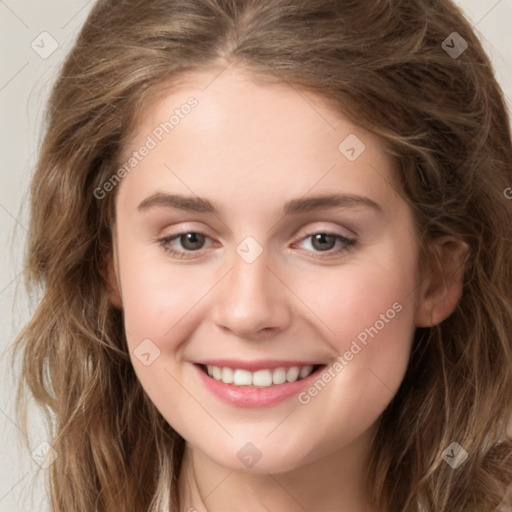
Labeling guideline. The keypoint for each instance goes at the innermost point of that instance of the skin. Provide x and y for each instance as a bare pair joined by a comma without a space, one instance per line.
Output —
249,148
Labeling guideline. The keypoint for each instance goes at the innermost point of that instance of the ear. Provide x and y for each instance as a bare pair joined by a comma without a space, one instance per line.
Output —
113,285
441,288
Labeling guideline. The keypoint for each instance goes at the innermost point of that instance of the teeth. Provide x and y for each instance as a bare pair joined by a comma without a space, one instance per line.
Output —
260,378
241,377
305,371
279,376
227,375
292,374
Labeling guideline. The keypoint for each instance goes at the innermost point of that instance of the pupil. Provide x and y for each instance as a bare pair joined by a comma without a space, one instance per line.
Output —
192,238
320,237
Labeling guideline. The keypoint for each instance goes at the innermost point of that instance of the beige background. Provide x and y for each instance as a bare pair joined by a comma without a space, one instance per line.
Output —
25,78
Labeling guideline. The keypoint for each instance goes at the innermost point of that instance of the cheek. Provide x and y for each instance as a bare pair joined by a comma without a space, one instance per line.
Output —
372,304
158,305
156,295
367,313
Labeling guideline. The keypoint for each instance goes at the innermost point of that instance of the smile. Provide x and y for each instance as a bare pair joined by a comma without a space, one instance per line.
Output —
261,378
256,384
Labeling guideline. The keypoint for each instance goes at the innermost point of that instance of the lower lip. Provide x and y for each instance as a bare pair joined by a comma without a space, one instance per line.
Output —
243,396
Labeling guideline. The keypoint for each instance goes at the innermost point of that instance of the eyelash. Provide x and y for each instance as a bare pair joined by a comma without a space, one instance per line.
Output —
348,244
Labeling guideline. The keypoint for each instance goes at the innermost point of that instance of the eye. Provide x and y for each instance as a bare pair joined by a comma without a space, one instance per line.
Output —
191,241
326,241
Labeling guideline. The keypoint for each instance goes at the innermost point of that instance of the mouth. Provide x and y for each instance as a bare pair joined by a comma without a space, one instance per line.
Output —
261,378
258,384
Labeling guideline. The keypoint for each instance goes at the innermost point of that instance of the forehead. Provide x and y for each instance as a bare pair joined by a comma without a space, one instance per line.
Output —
229,100
240,134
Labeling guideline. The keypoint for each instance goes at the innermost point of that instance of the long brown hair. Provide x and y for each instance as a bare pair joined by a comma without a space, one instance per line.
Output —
384,64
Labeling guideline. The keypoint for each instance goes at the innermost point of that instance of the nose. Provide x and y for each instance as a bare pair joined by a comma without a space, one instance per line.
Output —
253,300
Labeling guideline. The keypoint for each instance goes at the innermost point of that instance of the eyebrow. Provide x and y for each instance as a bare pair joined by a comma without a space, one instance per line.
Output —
301,205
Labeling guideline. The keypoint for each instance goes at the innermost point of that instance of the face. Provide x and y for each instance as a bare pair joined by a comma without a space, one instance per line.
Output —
260,237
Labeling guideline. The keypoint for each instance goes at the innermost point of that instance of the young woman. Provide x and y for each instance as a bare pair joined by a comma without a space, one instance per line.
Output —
195,347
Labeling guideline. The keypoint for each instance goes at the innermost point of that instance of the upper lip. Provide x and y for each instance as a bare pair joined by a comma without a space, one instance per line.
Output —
257,364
